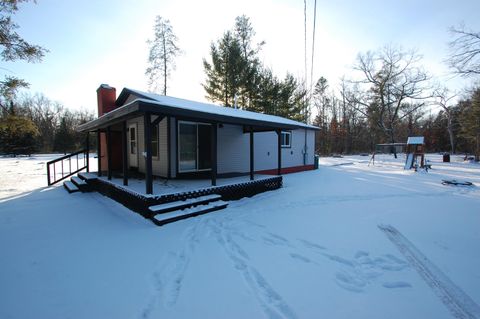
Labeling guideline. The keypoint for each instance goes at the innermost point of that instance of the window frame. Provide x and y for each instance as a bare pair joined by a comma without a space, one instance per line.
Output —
196,124
283,139
155,155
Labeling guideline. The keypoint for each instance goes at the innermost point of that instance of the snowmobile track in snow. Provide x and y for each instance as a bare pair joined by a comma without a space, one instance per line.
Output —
457,301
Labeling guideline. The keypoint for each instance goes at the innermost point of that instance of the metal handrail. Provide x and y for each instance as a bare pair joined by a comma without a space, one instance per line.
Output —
67,173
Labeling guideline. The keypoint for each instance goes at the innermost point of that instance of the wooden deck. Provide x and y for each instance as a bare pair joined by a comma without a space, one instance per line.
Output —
229,189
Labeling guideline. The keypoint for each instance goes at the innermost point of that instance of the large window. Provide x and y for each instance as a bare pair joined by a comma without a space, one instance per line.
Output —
286,139
194,146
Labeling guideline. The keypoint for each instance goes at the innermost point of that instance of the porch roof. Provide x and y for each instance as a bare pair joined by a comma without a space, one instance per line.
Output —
170,106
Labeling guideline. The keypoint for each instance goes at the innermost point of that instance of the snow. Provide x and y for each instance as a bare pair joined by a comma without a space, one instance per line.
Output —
349,240
163,186
177,103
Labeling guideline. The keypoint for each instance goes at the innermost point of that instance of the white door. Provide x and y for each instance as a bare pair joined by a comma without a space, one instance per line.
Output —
132,145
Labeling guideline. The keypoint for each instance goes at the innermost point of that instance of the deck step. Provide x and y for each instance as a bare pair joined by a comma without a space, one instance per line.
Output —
165,218
70,187
87,176
178,205
80,183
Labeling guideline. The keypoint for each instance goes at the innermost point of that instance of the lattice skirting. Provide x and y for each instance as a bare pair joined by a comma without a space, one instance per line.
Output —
140,203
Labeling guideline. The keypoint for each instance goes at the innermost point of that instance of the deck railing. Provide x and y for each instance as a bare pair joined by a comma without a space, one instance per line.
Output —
65,166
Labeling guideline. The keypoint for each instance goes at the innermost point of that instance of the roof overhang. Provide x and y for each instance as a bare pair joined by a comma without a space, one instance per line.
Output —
141,106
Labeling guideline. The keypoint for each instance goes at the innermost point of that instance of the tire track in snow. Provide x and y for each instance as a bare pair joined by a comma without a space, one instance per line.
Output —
455,299
271,302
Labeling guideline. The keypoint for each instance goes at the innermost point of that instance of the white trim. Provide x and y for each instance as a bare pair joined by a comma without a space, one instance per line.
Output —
289,133
157,157
130,155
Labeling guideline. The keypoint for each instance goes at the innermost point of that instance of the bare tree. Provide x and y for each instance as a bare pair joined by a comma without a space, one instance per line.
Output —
444,98
393,85
163,51
464,57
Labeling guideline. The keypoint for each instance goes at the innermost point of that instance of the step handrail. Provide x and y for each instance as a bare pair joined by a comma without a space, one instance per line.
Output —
65,174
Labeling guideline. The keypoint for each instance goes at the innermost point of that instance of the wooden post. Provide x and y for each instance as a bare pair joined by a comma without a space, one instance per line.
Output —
148,150
109,153
214,154
99,154
124,153
279,169
87,149
252,168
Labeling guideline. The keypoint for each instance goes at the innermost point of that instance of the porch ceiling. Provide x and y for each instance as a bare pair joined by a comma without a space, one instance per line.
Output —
140,106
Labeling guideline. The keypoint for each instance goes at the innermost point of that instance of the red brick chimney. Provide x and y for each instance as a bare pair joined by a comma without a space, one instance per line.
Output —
106,96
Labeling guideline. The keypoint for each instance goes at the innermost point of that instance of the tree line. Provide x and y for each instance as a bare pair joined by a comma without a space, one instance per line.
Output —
385,99
34,123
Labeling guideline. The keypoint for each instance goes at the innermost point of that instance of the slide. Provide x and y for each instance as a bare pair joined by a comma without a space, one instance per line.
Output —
409,161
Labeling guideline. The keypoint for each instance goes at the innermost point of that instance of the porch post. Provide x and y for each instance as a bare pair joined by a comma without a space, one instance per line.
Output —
124,153
252,168
148,150
87,150
99,153
214,154
109,153
279,169
169,149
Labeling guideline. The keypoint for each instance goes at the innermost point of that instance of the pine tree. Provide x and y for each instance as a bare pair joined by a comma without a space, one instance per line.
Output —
161,59
13,48
470,122
224,74
17,135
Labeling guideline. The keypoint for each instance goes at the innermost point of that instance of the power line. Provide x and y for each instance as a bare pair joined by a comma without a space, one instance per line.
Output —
305,28
313,45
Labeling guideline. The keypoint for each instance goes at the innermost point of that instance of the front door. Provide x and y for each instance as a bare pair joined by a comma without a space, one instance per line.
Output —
132,145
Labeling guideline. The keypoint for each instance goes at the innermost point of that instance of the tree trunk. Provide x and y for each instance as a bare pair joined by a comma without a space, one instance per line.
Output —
450,134
164,67
392,140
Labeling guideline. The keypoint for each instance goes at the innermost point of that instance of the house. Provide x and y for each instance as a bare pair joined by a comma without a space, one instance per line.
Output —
175,138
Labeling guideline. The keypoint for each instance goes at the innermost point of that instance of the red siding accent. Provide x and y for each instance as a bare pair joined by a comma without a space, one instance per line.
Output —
287,170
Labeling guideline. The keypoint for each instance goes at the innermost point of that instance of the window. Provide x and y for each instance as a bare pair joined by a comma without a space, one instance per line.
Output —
286,139
155,141
194,146
133,141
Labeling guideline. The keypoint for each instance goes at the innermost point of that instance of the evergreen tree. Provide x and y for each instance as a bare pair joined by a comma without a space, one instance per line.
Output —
17,135
224,74
161,59
13,48
470,122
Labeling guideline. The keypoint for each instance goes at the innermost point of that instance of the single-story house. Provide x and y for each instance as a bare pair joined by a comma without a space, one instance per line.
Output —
175,138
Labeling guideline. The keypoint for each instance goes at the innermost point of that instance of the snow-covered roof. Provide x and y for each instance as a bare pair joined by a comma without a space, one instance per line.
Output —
163,100
133,103
415,140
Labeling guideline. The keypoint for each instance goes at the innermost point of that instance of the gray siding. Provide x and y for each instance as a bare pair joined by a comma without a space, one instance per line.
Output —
159,163
233,149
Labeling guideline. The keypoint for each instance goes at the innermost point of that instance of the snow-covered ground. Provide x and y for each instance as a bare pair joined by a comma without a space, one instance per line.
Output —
345,241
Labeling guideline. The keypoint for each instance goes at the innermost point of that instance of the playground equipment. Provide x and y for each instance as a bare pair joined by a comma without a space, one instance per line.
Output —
415,151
